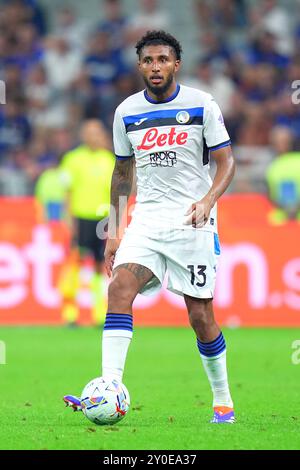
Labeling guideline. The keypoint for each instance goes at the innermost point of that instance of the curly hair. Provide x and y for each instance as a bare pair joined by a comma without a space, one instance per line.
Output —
158,38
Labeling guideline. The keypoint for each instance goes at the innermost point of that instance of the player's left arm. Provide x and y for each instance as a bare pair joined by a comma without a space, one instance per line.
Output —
198,213
217,140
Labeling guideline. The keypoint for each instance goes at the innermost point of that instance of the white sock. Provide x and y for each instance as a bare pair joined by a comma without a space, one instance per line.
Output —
216,370
213,357
116,338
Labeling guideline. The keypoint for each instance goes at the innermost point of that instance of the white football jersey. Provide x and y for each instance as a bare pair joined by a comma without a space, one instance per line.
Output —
170,142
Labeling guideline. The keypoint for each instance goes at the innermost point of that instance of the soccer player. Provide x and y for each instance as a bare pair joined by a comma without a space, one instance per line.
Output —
168,131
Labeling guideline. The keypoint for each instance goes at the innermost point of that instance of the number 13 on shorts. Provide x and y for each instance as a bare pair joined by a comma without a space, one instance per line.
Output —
201,275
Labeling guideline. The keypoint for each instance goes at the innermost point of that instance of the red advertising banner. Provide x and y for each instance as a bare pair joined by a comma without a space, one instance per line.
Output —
258,281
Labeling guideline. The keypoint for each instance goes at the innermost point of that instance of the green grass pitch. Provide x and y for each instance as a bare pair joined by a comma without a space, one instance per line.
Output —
170,395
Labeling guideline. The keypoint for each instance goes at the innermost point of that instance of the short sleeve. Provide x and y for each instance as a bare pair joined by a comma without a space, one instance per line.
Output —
215,133
122,145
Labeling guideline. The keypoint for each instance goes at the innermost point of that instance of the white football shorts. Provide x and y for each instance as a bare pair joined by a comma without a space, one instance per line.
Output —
189,257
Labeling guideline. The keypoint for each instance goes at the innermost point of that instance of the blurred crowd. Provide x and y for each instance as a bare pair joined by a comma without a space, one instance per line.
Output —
245,53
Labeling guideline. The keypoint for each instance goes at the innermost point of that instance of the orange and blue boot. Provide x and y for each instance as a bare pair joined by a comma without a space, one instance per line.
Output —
223,414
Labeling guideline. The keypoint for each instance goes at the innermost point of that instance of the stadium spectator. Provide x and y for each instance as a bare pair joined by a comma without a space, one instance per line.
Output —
15,180
47,105
264,49
14,13
61,141
214,48
82,95
40,155
281,140
28,51
14,83
62,62
4,52
288,114
50,192
218,85
37,16
15,130
274,18
71,28
103,65
225,15
148,14
114,24
103,105
283,178
255,126
203,12
62,65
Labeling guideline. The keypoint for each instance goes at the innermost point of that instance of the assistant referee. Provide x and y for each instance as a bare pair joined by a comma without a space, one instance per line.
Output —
86,172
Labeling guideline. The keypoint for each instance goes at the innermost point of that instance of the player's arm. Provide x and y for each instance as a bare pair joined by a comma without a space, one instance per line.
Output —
198,213
218,142
121,185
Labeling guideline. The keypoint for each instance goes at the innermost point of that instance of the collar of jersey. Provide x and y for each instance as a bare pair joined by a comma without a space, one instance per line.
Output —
171,98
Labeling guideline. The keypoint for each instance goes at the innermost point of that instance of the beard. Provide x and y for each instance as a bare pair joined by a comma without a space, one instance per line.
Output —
159,90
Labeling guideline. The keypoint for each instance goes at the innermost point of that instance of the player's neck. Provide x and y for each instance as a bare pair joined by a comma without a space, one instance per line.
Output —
172,91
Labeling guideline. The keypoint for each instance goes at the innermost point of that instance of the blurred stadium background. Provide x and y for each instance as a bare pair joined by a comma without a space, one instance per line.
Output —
66,62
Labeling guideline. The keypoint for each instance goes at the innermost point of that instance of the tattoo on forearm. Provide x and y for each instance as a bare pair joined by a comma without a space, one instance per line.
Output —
141,273
121,183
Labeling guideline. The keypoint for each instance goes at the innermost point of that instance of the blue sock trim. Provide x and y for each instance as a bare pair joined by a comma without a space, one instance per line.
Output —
118,321
213,348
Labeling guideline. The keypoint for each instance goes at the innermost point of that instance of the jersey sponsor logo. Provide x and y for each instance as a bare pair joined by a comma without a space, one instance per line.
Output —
182,117
152,138
138,123
165,158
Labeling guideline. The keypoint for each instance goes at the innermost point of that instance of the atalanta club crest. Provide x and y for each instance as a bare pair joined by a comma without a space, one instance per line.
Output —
182,117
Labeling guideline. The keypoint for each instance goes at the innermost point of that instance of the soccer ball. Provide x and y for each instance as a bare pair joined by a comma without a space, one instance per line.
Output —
105,401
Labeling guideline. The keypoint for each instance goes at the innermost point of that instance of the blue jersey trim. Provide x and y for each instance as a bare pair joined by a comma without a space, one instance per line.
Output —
219,146
217,244
121,157
162,114
167,100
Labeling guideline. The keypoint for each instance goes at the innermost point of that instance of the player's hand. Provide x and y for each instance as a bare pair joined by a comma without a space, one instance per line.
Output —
111,247
198,213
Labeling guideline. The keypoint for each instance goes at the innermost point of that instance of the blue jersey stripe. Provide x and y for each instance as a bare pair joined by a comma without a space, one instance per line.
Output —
219,146
162,114
161,122
120,157
217,244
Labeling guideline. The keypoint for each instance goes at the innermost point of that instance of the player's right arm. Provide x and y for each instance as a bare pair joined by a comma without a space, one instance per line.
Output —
121,185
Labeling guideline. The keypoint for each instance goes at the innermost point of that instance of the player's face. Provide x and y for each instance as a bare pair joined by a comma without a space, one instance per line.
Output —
158,66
